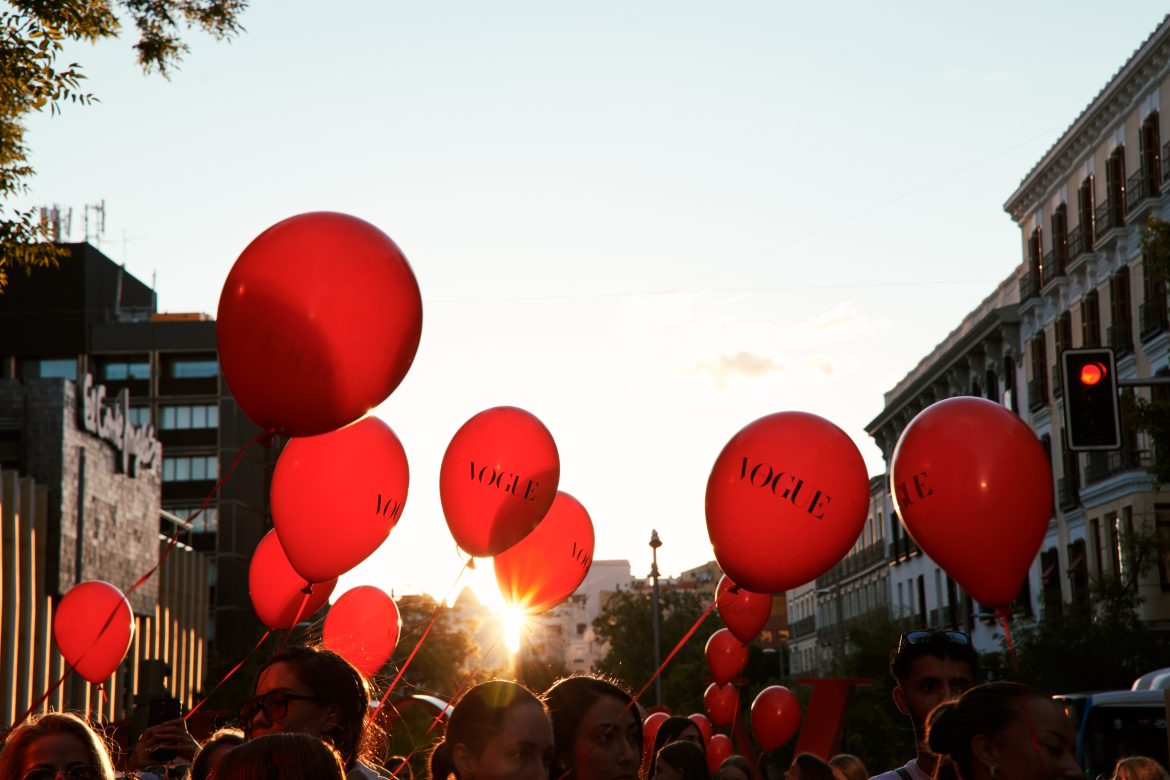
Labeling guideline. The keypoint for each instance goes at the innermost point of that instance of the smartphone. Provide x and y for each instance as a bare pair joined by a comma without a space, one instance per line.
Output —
160,711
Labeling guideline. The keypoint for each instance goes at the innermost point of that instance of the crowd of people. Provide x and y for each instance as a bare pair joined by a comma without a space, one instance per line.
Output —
309,719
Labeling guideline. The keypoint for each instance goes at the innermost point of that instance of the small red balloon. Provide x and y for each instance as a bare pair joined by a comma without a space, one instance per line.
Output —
972,485
650,727
547,566
336,497
93,627
718,751
319,320
786,499
362,627
277,590
726,656
498,478
722,703
775,716
704,724
743,612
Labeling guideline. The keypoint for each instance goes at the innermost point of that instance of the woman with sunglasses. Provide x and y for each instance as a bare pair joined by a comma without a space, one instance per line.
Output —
314,691
52,745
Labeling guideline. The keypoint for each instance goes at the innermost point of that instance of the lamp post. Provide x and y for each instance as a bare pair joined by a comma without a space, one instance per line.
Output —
655,543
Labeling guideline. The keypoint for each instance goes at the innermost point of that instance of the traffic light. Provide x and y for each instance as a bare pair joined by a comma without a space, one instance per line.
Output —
1090,399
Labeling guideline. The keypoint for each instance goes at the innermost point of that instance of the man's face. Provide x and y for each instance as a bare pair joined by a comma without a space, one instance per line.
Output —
930,681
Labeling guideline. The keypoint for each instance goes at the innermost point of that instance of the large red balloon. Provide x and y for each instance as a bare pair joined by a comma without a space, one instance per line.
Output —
498,478
743,612
362,627
786,500
336,497
721,702
719,749
704,724
93,627
547,566
973,487
277,590
319,320
726,656
775,716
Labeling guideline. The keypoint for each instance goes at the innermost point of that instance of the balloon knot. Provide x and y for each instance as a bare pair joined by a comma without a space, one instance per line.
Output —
308,589
266,437
471,563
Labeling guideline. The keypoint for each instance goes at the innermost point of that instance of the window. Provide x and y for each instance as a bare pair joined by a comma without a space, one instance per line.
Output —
1086,210
187,417
190,468
1112,211
1152,313
63,368
1162,528
194,368
1090,321
1035,260
1038,387
125,370
1059,240
207,522
1120,330
1150,174
140,415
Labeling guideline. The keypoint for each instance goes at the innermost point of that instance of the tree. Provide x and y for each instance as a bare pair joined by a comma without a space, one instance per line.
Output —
32,37
440,667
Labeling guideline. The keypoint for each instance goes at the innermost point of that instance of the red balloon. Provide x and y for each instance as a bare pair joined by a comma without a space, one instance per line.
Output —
498,478
705,727
786,500
718,751
775,716
972,485
93,627
277,590
362,627
547,566
721,703
726,656
319,320
336,497
744,612
650,728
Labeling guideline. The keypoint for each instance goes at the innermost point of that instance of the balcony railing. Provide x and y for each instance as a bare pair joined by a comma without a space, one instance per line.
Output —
803,627
1137,189
1057,385
1110,214
1029,286
1101,465
1077,245
1119,337
1037,393
1154,318
1068,491
1059,255
1166,161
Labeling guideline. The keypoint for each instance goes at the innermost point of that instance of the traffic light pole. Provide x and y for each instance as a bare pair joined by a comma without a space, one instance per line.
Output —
1150,381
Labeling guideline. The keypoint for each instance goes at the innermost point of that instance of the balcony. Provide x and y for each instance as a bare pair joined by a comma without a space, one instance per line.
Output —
1154,318
803,627
1057,384
1037,393
1109,215
1029,286
1140,186
1059,255
1119,337
1068,490
1102,465
945,617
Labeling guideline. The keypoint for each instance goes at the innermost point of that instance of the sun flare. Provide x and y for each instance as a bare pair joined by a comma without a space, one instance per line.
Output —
514,620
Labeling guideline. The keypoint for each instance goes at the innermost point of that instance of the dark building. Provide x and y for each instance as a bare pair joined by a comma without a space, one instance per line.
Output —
90,316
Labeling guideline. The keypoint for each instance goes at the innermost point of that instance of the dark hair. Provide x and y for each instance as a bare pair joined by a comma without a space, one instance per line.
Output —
222,739
738,762
476,719
569,698
686,757
852,767
668,732
22,738
813,767
940,645
398,768
985,709
283,756
335,679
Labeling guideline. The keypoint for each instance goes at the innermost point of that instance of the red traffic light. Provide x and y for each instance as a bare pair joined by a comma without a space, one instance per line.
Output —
1092,373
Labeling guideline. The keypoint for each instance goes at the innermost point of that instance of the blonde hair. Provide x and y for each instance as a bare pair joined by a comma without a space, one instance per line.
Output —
22,738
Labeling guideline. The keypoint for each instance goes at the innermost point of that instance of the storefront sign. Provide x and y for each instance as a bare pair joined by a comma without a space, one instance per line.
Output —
111,421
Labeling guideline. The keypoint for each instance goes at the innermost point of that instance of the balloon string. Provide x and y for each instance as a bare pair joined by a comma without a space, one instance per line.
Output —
673,653
1004,615
36,705
308,591
227,676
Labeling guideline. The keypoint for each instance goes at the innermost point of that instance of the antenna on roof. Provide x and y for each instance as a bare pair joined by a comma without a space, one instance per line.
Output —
99,211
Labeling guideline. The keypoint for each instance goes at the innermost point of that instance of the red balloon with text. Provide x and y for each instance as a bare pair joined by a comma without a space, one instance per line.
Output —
498,478
973,488
743,612
93,627
726,656
775,716
336,497
363,627
786,499
719,749
319,320
547,566
278,591
721,702
704,724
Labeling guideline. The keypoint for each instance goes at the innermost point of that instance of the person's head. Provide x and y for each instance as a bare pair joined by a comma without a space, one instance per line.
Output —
806,766
735,767
1139,768
930,667
675,729
850,766
499,730
1007,731
216,746
311,690
398,768
680,760
596,728
52,743
288,756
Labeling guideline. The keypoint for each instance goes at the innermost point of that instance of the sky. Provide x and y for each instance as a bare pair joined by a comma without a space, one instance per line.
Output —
648,224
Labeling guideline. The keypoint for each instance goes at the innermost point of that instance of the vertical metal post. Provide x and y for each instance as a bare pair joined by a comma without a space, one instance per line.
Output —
655,543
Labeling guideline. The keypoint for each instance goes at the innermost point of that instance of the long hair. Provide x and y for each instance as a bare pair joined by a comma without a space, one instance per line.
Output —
54,723
281,757
668,732
476,719
686,757
985,709
569,698
849,765
1139,768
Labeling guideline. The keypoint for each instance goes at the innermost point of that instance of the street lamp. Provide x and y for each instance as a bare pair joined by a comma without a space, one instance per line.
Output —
655,543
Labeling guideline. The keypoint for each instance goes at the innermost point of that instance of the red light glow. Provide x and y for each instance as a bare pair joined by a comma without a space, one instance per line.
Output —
1092,373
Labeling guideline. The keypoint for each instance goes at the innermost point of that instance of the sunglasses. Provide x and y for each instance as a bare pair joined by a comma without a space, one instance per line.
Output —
77,772
927,637
274,704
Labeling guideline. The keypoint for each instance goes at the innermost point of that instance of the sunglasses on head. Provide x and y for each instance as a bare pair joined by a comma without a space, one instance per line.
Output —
78,772
927,637
274,704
